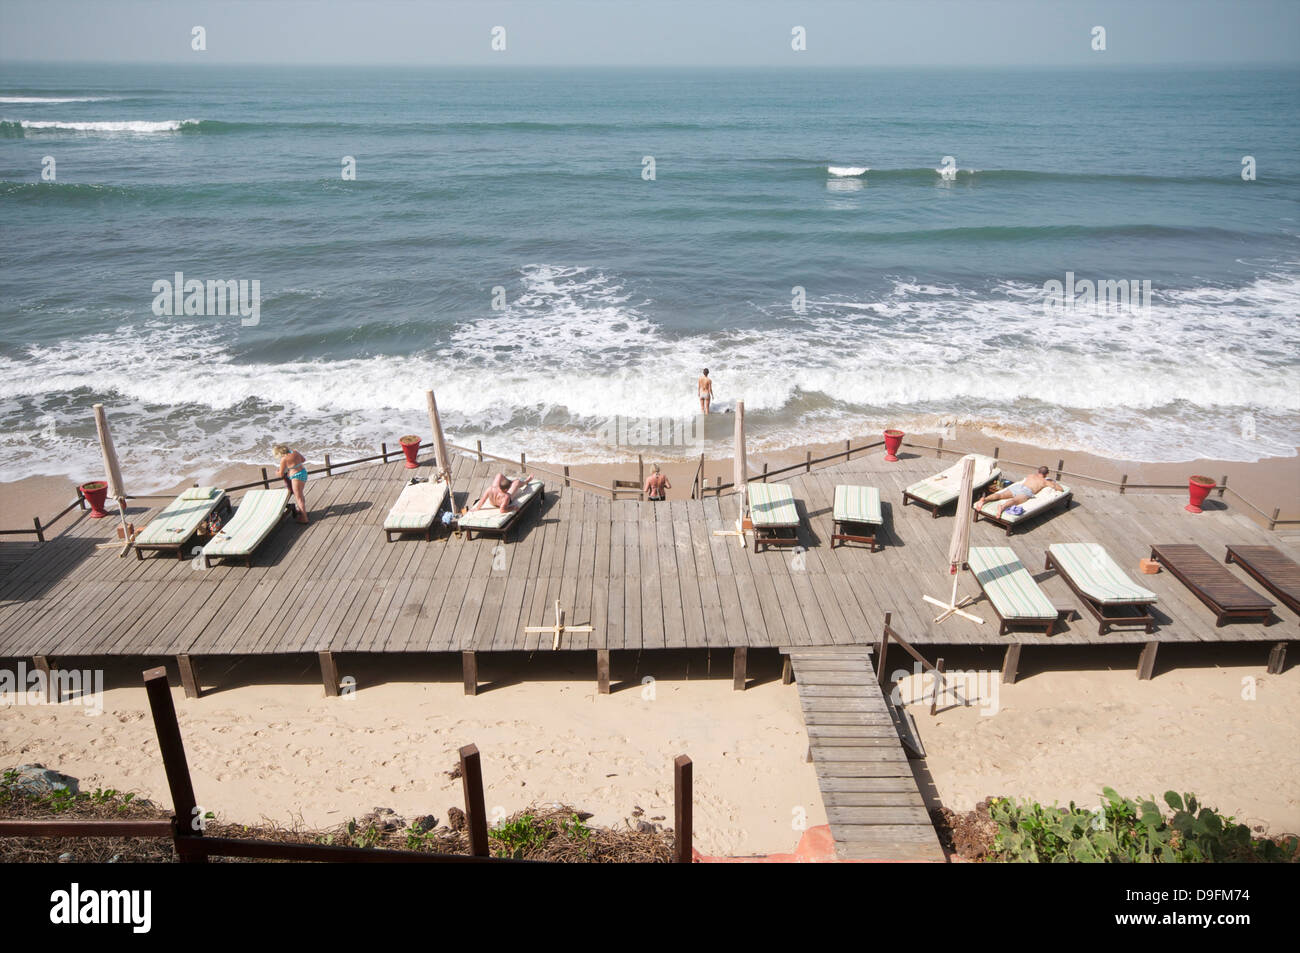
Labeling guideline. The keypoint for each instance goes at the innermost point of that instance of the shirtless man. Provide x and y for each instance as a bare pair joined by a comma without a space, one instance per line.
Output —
1021,492
501,492
705,388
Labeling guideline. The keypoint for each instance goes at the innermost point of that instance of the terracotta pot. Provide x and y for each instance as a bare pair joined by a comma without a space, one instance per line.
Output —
1198,488
410,447
95,492
893,440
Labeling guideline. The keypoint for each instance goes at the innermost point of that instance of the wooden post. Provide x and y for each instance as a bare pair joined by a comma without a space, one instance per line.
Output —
523,463
938,680
566,474
469,671
996,451
266,482
884,649
81,499
383,449
42,665
1277,658
40,533
739,661
683,820
602,671
478,446
640,470
189,676
1011,664
1147,661
329,471
471,776
848,449
764,471
1123,482
188,821
329,674
787,672
1223,485
1273,519
1060,465
938,451
808,461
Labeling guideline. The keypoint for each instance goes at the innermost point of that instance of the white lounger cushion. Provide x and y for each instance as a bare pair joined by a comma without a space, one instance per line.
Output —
417,507
1040,501
491,517
942,487
178,520
1008,584
857,504
259,512
1097,575
771,505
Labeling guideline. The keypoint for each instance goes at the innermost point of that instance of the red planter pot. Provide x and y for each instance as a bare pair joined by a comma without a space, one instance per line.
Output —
95,493
893,440
411,447
1198,488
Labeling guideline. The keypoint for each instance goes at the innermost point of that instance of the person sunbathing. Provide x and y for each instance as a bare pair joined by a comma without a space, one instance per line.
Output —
1019,493
501,492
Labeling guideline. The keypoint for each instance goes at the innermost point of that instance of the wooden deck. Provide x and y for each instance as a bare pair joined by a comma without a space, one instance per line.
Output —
873,806
645,576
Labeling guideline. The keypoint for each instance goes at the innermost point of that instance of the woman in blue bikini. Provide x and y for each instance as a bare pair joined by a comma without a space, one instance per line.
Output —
293,470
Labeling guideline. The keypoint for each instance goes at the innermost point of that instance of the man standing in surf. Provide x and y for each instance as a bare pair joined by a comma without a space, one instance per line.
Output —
705,387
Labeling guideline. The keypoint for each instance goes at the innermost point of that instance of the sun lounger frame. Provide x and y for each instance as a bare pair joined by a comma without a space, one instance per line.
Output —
1134,615
775,536
221,505
1260,574
934,508
502,532
1223,614
1064,500
851,531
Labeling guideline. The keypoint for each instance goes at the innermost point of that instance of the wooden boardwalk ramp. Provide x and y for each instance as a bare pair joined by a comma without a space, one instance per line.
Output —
873,806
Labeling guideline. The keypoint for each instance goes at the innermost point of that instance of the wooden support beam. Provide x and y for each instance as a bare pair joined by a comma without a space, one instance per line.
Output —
1147,661
848,449
383,450
189,823
884,649
938,681
739,660
469,670
787,672
938,450
329,674
266,480
1272,523
602,671
189,676
1011,664
1123,482
478,446
808,461
329,468
566,474
1223,485
683,818
42,665
1060,465
1277,658
471,776
40,532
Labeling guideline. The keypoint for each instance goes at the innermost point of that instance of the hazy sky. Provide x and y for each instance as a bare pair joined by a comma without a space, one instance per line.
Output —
654,32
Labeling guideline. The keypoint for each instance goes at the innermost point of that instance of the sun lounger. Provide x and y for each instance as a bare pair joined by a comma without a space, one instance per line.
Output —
488,520
774,515
1229,598
178,522
257,514
942,488
1011,589
1274,570
1040,503
1106,590
856,515
416,510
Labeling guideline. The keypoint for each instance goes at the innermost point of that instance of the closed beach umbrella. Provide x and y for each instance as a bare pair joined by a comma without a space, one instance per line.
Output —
742,465
116,487
441,459
959,547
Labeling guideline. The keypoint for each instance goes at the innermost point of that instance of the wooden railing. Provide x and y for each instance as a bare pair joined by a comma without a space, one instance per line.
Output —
940,680
185,827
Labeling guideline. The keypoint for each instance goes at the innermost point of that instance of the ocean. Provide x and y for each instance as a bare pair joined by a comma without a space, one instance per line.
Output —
550,249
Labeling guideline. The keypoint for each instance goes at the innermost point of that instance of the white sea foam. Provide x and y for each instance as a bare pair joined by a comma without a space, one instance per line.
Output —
847,169
131,125
576,348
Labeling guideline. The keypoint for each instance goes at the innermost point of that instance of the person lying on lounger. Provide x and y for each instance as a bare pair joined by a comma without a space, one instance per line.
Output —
1022,492
501,492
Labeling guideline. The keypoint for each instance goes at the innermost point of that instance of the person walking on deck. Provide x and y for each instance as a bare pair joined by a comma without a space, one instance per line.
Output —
293,470
656,485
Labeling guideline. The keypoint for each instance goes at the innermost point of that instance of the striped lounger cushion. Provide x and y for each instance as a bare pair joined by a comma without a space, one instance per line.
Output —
491,517
771,505
857,504
1040,501
417,507
258,513
180,518
1097,575
942,487
1008,584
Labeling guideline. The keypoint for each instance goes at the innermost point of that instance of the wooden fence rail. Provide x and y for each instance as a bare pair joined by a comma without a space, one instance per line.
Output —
185,826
